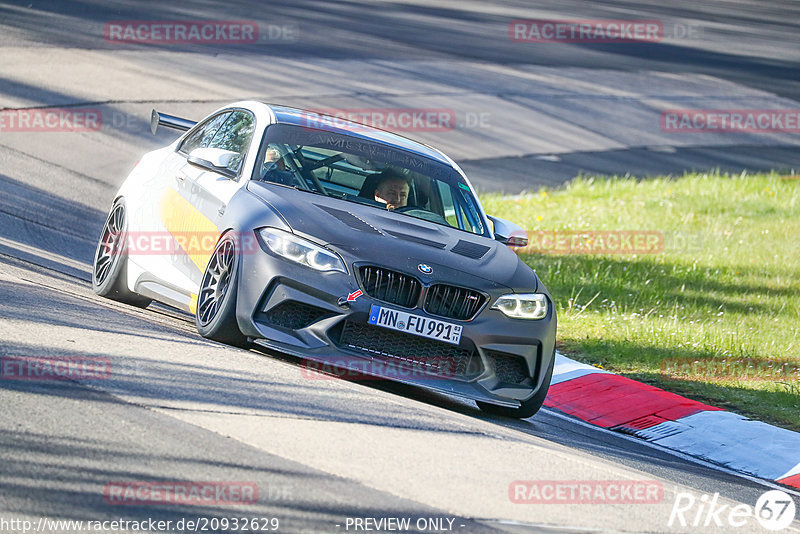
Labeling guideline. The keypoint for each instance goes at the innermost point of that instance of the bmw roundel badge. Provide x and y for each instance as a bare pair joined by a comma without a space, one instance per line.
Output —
425,268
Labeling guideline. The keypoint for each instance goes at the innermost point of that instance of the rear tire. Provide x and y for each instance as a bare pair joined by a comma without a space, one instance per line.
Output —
529,407
215,316
110,267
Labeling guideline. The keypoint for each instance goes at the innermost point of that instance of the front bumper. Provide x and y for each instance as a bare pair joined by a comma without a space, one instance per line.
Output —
302,312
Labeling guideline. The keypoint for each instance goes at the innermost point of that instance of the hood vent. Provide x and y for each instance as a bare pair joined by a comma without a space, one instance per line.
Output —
349,219
470,249
415,239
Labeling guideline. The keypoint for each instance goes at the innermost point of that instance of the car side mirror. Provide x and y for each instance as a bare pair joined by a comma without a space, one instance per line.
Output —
509,233
215,160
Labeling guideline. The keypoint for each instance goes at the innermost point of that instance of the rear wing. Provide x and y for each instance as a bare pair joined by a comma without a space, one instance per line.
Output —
170,121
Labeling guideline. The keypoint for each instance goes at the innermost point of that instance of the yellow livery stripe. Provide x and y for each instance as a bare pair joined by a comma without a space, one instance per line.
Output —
194,233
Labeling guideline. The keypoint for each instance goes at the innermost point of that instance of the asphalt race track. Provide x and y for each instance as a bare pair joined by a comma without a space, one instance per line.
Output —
177,407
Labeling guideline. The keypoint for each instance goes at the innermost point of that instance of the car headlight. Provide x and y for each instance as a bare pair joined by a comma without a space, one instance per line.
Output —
301,250
522,305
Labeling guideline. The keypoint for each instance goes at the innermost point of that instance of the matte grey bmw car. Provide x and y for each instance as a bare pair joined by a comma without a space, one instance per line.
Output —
335,242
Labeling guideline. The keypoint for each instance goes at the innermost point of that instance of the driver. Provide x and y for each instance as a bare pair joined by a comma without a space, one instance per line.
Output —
392,190
274,168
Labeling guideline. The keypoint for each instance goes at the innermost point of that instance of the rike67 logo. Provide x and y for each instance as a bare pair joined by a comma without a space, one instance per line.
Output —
774,510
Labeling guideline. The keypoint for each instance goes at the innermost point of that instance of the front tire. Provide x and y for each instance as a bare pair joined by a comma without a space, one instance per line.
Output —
110,267
215,316
529,407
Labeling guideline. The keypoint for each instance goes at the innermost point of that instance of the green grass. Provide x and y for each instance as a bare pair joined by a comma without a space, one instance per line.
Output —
726,285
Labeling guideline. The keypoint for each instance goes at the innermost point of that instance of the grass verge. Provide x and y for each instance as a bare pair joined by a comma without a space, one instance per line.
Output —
711,310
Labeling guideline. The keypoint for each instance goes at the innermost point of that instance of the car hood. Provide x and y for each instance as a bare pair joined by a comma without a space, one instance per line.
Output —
371,235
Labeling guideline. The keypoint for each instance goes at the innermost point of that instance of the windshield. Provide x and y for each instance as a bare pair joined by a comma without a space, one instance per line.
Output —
369,173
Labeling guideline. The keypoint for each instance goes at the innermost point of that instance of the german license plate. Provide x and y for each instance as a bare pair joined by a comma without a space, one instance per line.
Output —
415,324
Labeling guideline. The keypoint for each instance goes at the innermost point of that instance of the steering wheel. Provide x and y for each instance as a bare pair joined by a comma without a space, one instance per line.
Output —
407,208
